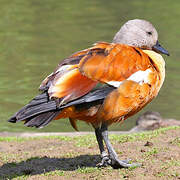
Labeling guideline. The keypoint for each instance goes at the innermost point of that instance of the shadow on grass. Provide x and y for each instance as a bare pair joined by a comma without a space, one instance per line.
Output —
41,165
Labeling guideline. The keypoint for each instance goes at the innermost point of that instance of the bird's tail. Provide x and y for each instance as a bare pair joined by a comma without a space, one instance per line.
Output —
39,112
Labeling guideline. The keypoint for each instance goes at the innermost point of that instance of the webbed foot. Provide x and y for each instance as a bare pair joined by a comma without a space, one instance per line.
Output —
116,164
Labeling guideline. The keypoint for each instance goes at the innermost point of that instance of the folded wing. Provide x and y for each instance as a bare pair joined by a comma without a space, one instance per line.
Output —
71,87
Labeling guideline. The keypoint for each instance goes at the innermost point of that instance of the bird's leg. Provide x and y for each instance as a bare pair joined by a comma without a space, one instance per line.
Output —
115,162
105,161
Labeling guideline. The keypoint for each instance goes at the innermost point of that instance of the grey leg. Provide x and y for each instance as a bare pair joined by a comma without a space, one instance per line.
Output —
115,162
105,161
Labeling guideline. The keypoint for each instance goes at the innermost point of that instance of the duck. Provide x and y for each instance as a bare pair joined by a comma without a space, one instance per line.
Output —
151,120
102,85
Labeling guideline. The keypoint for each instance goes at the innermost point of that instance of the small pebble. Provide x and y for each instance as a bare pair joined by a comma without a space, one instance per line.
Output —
148,143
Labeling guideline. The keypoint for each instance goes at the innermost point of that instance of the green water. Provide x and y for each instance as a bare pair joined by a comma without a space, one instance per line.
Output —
36,35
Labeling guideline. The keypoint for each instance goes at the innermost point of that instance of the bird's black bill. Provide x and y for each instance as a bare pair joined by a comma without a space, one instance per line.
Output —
158,48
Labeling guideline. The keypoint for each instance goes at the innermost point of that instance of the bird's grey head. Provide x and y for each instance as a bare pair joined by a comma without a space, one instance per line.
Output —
139,33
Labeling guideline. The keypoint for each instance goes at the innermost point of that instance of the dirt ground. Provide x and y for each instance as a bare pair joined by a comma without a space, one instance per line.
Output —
63,157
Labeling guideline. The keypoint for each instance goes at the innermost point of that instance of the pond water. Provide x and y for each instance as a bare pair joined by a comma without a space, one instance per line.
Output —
36,35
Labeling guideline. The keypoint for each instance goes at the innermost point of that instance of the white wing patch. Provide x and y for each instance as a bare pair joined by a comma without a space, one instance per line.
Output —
139,77
115,83
63,68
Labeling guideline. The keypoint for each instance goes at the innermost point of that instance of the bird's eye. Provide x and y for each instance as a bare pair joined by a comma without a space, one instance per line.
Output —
149,32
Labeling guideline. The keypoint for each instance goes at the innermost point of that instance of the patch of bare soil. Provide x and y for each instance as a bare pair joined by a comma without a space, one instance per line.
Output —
52,158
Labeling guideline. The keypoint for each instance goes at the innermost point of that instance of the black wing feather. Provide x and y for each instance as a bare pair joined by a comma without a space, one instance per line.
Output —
42,110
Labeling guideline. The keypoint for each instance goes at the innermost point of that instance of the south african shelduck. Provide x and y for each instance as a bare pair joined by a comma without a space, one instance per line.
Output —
101,85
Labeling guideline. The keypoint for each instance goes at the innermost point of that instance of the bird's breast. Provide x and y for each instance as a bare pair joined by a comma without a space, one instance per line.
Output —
159,64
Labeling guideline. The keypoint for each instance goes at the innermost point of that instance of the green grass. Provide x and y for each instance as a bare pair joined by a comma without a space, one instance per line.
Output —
151,152
147,135
160,174
10,139
54,173
85,170
168,174
88,140
176,141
